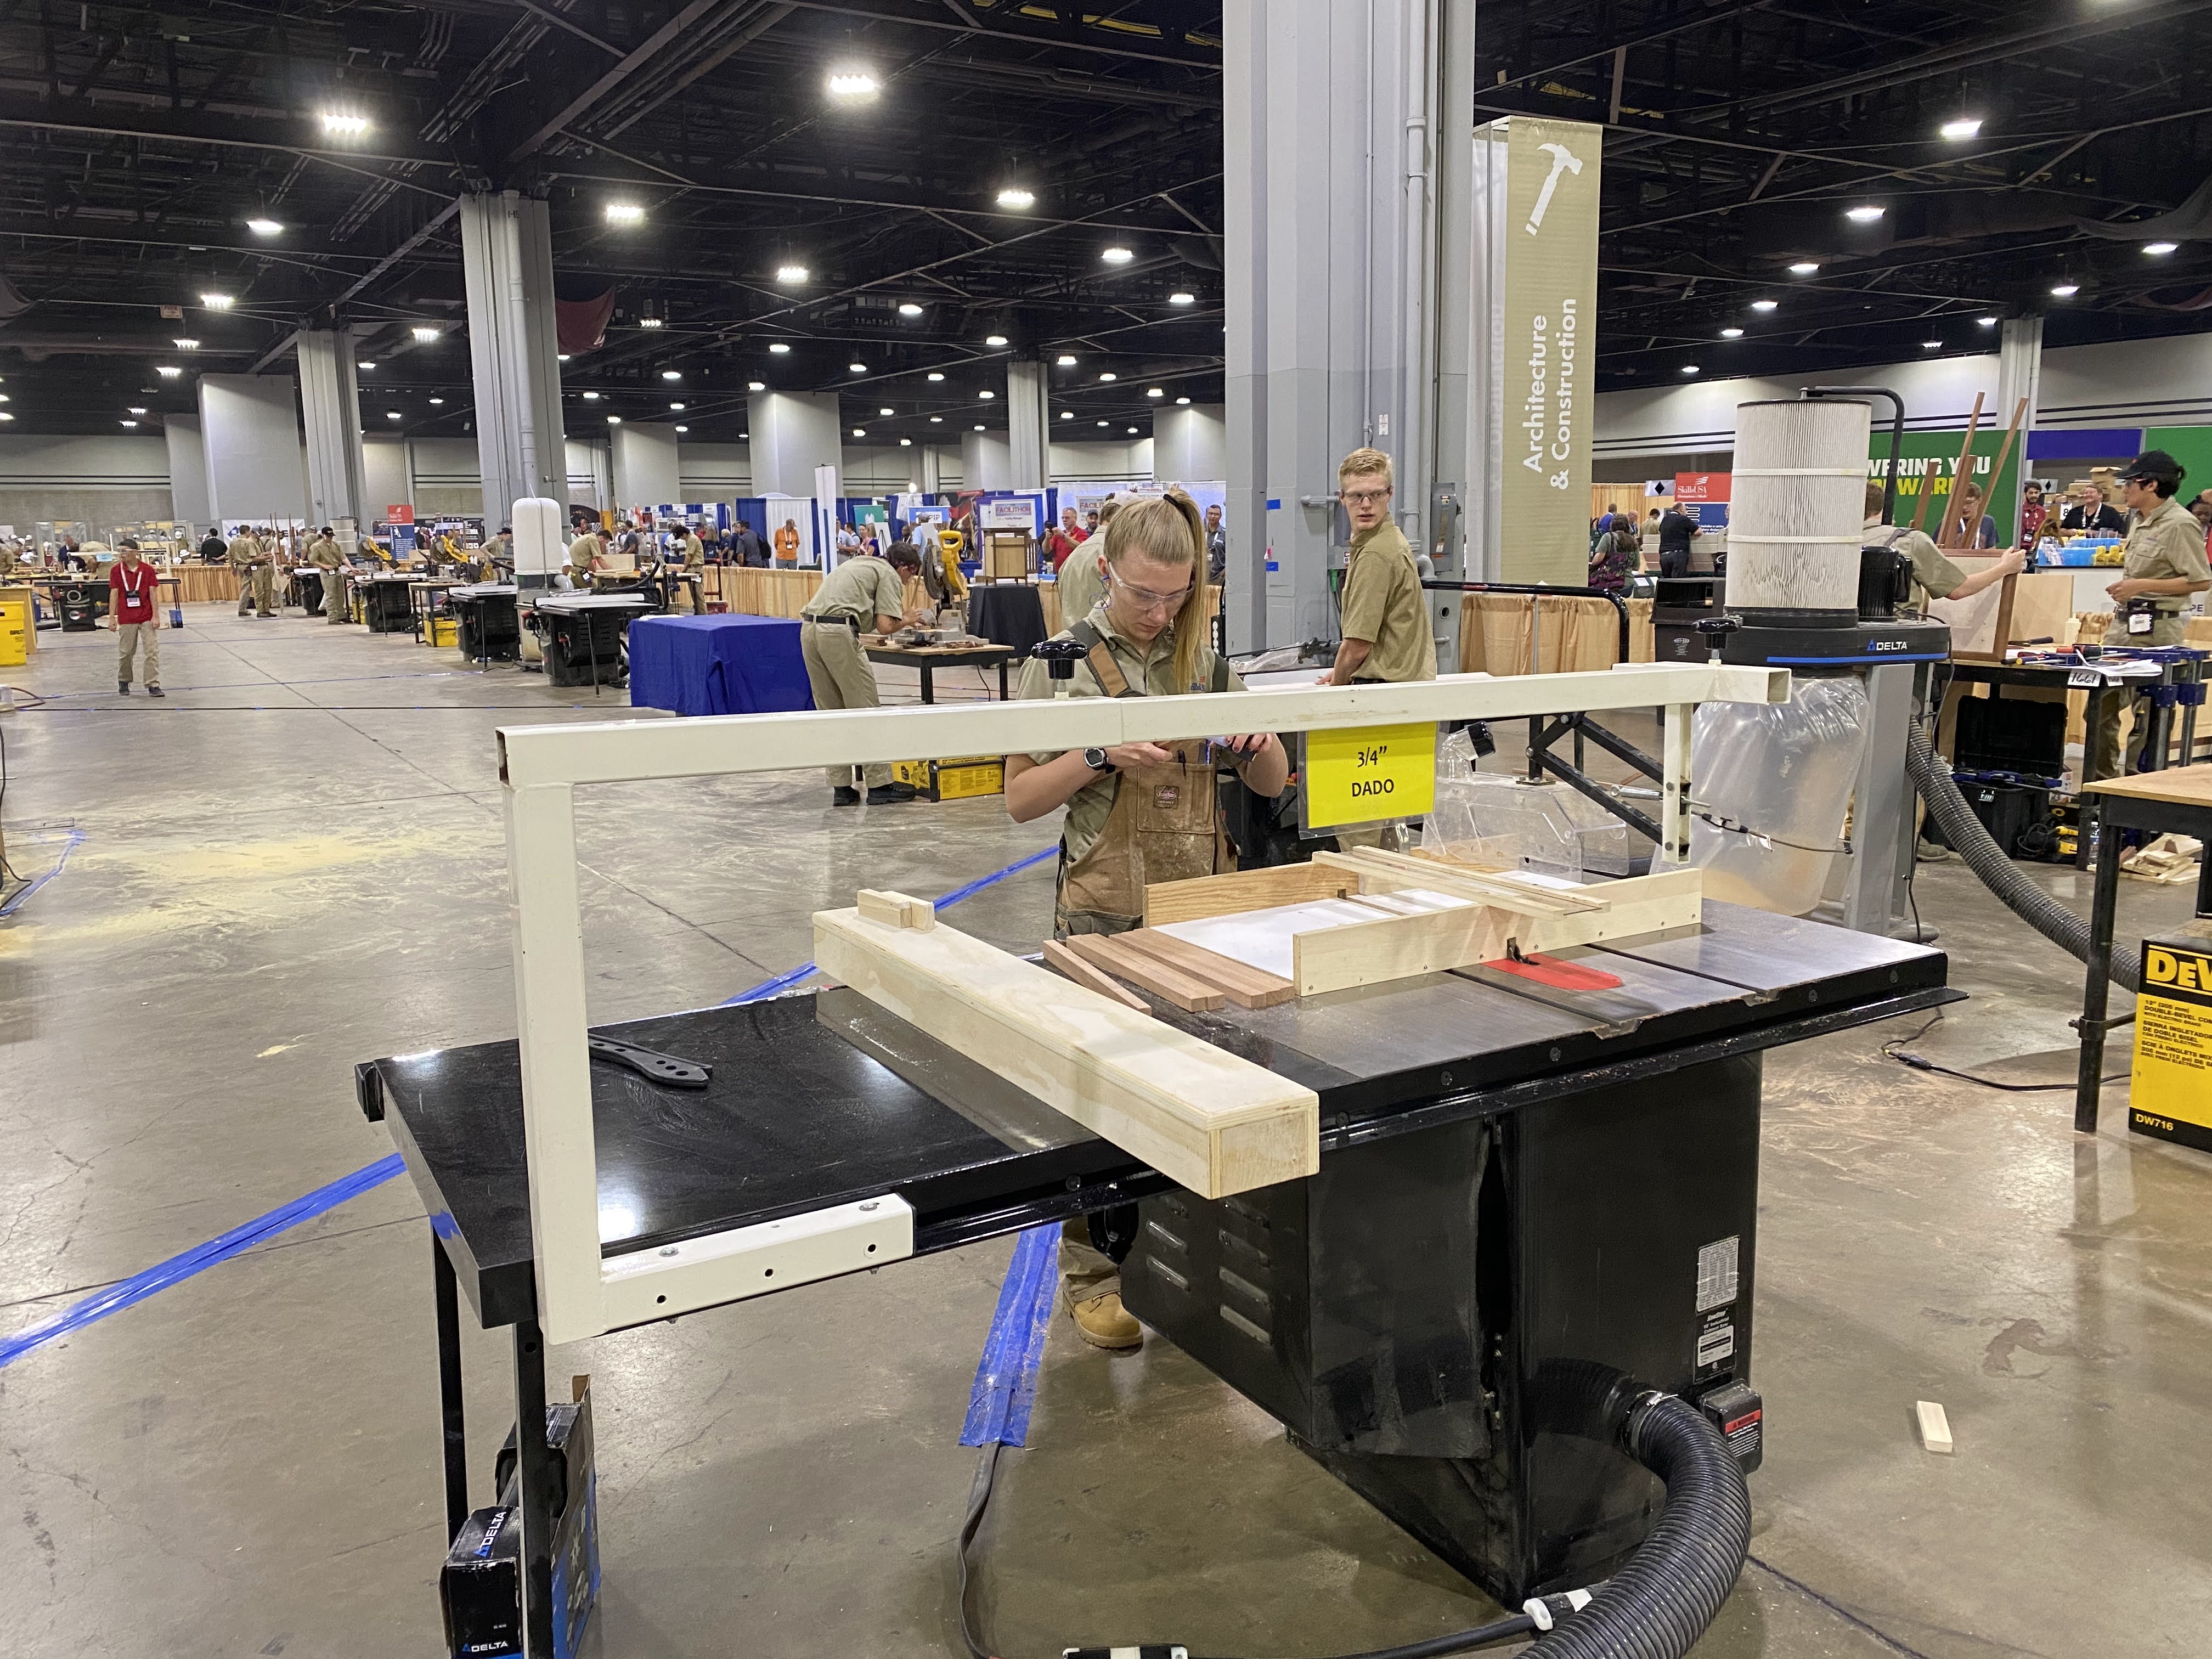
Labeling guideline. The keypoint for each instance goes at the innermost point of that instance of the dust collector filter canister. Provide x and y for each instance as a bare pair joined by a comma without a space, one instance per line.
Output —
1797,503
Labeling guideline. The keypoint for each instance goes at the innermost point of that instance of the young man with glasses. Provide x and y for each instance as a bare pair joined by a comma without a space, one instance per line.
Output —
1384,621
1137,812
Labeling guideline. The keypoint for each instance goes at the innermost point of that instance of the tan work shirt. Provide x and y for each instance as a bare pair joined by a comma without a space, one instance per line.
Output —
861,589
583,551
1935,576
245,552
2166,543
1080,585
323,553
1382,605
1150,671
695,553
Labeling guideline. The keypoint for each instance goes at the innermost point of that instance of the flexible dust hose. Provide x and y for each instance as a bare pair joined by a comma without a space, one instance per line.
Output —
1659,1604
2000,875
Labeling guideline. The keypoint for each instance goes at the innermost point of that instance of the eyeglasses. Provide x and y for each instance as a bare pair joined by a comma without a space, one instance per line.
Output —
1365,497
1145,599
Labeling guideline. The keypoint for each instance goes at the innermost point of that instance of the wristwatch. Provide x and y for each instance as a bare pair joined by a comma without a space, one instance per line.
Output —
1097,761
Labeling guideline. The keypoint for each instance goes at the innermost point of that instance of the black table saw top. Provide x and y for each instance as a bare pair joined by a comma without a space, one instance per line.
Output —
822,1098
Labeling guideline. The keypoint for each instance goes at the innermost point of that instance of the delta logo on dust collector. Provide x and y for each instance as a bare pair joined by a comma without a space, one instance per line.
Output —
1554,354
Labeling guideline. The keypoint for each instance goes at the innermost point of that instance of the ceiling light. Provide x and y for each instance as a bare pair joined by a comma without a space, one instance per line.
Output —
649,322
560,357
885,410
994,339
1065,359
135,410
344,126
909,309
935,376
1155,391
1689,368
264,226
1986,322
779,347
434,401
1864,214
682,429
860,432
1067,414
986,394
1117,256
128,423
4,416
1133,430
906,443
168,371
677,408
1180,298
857,368
427,335
979,425
1805,268
625,213
187,345
1013,196
937,419
756,385
671,374
365,362
1731,334
1102,423
1182,400
1765,305
1967,127
1931,345
2067,290
391,414
591,397
2160,248
218,301
851,81
791,273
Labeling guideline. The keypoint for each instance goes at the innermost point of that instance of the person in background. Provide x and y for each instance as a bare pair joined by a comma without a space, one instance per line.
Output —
499,555
1083,582
748,548
2094,515
1676,531
323,554
2166,564
685,591
1137,812
786,542
1091,523
1616,556
256,571
848,542
1063,538
1971,527
212,548
133,591
1385,623
1217,545
1608,520
587,549
2201,510
1934,576
2032,515
863,592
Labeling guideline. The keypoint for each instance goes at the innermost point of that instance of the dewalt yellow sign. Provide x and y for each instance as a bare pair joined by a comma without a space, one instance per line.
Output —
2171,1094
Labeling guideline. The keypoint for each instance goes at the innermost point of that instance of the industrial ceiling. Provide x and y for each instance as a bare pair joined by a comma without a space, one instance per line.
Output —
1037,175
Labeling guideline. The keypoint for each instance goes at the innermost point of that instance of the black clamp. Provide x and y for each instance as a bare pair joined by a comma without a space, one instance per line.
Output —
1061,657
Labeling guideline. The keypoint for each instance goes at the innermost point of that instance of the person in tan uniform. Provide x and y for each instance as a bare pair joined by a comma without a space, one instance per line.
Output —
256,569
684,590
323,554
1082,578
863,593
1934,576
1137,812
2164,566
1385,623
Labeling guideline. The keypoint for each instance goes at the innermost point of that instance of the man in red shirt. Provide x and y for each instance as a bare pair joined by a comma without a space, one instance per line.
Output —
132,588
1064,538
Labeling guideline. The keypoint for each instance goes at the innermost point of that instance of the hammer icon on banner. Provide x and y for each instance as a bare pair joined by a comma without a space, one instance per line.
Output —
1563,160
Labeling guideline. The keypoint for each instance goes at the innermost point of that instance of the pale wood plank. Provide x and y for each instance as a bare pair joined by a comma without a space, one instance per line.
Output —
1234,891
1246,985
1192,995
896,910
1391,871
1934,1426
1203,1117
1071,966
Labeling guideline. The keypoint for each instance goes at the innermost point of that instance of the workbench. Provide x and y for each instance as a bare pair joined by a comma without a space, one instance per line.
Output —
824,1100
2174,802
386,606
583,633
426,602
930,658
489,629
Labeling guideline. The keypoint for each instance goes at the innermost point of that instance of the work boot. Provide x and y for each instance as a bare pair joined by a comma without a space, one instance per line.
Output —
844,795
887,794
155,691
1929,852
1105,1323
123,688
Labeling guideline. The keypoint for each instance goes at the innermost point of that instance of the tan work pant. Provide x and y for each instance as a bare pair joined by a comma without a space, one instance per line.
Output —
128,637
680,595
842,678
257,588
334,596
2105,758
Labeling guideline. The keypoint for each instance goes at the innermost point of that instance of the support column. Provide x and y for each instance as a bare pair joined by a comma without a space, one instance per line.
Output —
791,433
1028,425
2020,375
250,429
647,472
1328,113
507,266
931,455
188,477
330,401
1191,444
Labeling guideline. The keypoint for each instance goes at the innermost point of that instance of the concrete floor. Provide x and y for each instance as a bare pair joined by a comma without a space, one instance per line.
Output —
296,863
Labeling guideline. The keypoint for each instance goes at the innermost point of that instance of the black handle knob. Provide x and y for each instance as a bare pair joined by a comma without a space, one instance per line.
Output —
1061,657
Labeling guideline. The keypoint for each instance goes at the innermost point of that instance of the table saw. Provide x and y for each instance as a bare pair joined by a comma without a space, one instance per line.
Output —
1515,1181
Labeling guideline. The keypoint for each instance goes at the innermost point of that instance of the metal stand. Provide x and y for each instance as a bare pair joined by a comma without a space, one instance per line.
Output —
448,1295
535,1477
1882,827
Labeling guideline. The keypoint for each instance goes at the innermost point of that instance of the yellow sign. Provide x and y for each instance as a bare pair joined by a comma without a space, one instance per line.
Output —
1379,773
2172,1096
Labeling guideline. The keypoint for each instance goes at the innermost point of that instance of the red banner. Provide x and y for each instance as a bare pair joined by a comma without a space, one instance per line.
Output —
402,513
1693,488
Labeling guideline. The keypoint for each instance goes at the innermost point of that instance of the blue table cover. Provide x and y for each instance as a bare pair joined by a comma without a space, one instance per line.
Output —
717,665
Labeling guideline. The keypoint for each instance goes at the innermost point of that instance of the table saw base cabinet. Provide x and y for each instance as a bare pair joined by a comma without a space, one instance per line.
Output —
1434,1316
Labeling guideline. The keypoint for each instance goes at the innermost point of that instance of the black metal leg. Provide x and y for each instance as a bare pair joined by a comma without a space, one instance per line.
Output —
2096,706
2204,884
928,684
449,1389
535,1477
2098,989
1002,681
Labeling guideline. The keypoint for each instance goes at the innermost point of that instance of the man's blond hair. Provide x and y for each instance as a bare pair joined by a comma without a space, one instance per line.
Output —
1362,462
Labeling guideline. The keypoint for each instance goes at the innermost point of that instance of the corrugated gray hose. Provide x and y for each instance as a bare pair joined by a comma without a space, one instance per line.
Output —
1998,873
1660,1603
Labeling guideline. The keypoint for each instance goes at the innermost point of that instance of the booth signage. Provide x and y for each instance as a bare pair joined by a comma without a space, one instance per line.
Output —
399,512
1701,486
2172,1094
1549,324
1374,773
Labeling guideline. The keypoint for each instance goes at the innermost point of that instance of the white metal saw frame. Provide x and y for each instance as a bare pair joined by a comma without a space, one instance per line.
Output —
581,1292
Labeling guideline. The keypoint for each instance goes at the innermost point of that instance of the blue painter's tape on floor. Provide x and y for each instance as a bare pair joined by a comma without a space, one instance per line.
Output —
769,987
76,840
1007,1376
198,1259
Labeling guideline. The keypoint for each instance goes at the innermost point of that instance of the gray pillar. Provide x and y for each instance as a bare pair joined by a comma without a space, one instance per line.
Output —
645,470
2020,375
188,478
1326,111
1028,426
793,433
986,462
1190,444
250,429
507,266
928,473
330,401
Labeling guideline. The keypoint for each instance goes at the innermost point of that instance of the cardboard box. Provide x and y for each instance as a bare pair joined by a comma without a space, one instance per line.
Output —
480,1586
954,779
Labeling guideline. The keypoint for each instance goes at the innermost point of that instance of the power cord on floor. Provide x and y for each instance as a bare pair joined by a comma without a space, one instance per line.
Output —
1891,1050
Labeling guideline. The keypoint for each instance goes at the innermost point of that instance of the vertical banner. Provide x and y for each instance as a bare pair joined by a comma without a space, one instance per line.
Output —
1549,320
